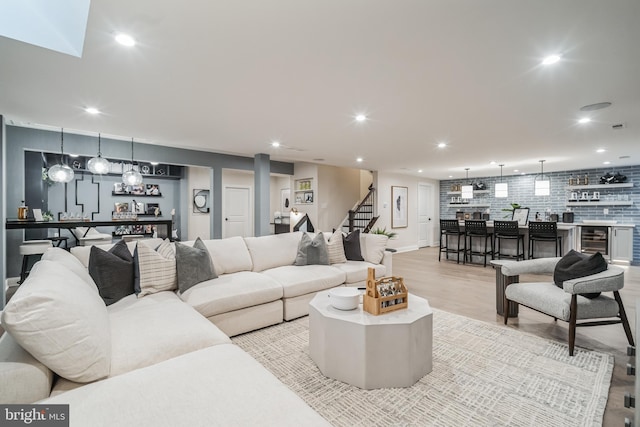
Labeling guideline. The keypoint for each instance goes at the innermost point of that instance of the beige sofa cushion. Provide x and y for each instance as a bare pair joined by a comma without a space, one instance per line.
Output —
228,255
216,386
63,323
231,292
84,252
357,271
155,269
301,280
59,255
273,251
23,378
372,247
148,330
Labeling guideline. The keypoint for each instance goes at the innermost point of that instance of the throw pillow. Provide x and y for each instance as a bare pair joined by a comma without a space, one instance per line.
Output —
193,265
65,258
312,251
335,248
155,270
373,246
575,265
352,246
61,322
112,272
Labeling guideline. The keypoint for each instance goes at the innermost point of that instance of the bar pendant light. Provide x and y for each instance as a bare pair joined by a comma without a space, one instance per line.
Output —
467,190
98,164
502,188
542,184
132,176
61,172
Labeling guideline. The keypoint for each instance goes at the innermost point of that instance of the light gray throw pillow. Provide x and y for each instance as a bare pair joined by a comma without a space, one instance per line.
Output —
193,264
312,252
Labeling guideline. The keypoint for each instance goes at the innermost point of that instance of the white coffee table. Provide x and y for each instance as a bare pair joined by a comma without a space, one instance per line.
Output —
367,351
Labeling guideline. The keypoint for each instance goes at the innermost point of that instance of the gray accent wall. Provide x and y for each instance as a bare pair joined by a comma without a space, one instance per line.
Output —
262,205
18,140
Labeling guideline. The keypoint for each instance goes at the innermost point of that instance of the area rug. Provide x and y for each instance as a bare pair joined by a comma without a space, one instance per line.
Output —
483,375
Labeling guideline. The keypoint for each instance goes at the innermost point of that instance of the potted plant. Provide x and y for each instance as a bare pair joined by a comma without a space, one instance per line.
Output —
513,207
384,232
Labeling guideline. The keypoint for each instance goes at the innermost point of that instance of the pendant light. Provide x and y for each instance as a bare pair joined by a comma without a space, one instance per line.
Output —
132,176
98,165
542,185
502,188
467,190
61,172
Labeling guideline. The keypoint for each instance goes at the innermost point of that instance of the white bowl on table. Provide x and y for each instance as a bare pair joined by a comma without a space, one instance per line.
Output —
344,298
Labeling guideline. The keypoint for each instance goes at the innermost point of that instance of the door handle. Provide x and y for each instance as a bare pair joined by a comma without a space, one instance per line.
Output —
226,219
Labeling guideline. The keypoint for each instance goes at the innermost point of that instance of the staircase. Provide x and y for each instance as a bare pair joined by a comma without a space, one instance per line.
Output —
362,215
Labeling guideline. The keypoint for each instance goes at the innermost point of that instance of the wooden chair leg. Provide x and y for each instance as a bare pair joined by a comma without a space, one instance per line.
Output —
572,323
623,317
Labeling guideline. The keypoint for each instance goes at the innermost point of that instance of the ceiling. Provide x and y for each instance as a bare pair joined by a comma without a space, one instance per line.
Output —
232,76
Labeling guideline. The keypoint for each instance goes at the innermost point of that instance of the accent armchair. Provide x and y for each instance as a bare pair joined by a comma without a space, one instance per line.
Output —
566,304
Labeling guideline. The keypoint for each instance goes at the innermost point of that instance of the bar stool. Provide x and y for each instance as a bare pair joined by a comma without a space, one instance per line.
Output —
450,227
473,229
508,230
544,231
29,248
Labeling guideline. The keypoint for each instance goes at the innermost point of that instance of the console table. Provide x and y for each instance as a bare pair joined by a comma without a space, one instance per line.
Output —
14,224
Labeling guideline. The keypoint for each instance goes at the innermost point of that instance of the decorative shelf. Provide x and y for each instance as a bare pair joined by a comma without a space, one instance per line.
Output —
600,186
612,203
113,193
474,192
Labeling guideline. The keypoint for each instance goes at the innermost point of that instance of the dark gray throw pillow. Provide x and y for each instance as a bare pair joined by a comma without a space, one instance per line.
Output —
193,265
112,271
351,244
312,252
575,265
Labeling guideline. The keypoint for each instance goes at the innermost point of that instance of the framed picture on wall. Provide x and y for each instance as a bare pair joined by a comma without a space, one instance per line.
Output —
399,213
152,207
119,188
121,207
137,207
152,190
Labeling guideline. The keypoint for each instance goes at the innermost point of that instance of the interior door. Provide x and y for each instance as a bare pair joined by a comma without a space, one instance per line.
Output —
425,214
237,204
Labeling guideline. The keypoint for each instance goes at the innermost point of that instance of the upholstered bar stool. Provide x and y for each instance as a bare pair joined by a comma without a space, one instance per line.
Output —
477,229
30,248
544,231
508,230
450,228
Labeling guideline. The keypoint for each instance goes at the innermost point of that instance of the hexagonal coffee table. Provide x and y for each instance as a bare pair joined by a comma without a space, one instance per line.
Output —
367,351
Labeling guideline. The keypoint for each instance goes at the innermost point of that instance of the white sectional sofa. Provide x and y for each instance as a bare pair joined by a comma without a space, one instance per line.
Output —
166,358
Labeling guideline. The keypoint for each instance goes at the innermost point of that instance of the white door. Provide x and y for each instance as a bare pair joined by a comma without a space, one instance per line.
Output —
237,205
425,215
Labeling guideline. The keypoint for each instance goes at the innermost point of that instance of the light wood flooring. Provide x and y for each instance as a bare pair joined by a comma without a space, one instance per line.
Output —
469,290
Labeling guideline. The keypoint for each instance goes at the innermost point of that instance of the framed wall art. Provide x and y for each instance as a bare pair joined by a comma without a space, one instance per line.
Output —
399,214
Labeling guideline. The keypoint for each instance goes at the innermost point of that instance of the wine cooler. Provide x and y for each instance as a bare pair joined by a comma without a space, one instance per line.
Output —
595,238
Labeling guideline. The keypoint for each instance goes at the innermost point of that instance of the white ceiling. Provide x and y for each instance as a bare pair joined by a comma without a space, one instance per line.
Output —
231,76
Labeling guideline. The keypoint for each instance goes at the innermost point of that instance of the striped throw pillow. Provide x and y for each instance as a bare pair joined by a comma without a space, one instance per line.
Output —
335,248
156,269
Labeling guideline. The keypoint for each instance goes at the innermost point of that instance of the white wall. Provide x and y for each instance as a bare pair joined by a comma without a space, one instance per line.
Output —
338,191
407,238
303,170
198,224
277,184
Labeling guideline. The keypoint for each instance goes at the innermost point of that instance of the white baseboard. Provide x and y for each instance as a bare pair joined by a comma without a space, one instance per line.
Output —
407,248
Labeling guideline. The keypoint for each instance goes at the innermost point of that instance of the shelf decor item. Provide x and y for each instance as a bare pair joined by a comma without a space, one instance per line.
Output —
98,165
384,295
61,172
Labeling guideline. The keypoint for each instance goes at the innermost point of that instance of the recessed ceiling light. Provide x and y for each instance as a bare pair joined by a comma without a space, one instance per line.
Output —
584,120
125,40
521,173
73,155
92,110
359,160
516,170
450,176
419,170
551,59
275,144
606,163
361,118
442,144
600,150
492,163
154,163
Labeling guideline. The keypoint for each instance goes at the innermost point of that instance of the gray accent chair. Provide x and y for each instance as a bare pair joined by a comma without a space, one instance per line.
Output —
567,304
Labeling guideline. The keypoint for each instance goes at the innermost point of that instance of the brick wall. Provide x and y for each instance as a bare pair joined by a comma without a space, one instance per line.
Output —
521,191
